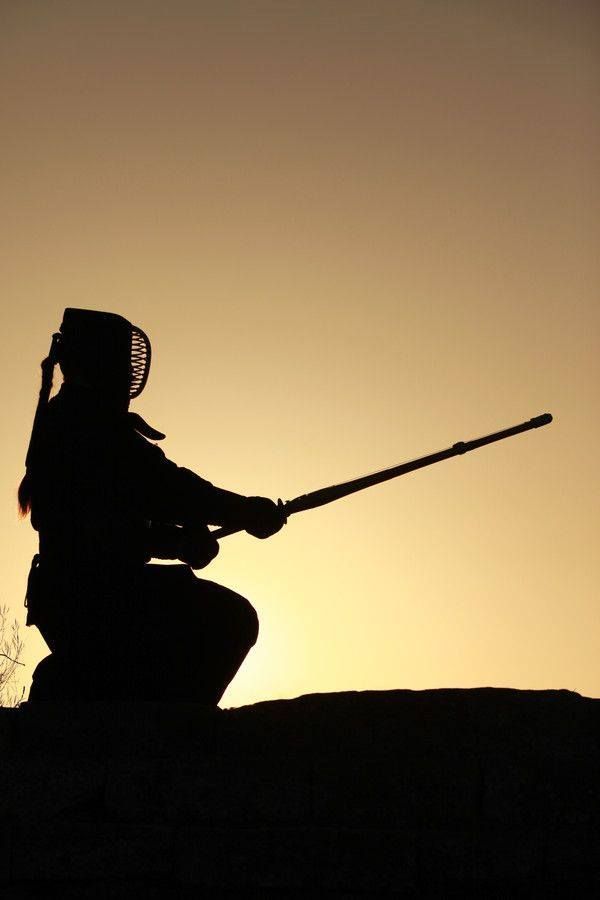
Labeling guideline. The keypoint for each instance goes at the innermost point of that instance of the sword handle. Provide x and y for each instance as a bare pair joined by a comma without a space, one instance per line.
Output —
226,530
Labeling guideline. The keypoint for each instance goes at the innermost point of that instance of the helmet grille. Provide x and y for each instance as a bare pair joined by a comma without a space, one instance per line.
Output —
141,355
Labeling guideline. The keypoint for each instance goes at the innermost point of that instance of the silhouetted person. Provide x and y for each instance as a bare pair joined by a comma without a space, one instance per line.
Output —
105,500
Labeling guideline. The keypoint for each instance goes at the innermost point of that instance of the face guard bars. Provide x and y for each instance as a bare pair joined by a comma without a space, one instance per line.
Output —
141,357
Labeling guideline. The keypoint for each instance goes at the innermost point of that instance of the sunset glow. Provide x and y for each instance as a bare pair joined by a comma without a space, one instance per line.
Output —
355,233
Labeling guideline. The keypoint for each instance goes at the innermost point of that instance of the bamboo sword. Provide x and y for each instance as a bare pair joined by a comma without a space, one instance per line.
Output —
337,491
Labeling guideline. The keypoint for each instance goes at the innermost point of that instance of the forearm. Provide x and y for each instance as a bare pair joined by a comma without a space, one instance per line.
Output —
166,492
191,499
221,507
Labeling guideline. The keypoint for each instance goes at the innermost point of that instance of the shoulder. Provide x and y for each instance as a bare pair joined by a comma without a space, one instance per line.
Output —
139,447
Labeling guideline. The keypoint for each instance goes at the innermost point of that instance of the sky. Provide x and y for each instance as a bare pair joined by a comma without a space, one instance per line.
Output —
355,232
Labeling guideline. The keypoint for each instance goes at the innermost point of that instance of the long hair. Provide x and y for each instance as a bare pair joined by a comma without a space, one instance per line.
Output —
24,496
24,493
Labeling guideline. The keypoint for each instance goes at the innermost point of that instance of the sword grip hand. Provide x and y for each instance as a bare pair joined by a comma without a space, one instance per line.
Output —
263,517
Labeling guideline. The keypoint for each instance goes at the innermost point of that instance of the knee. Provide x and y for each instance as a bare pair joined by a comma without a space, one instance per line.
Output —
245,618
223,611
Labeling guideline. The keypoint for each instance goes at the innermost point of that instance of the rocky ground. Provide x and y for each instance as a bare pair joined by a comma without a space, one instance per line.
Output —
485,792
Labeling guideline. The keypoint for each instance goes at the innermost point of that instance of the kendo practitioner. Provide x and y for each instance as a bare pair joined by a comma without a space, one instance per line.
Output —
105,500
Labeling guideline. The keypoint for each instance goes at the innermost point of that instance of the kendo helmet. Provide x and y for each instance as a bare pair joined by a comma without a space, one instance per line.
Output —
106,350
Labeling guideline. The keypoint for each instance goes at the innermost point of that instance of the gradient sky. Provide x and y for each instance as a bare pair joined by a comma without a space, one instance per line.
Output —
356,232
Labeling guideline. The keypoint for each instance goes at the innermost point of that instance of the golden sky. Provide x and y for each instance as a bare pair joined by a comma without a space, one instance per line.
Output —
356,232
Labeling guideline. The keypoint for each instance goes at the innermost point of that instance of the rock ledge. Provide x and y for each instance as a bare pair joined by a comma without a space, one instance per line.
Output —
420,793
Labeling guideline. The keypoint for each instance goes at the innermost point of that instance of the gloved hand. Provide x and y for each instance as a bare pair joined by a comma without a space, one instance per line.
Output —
263,517
196,546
